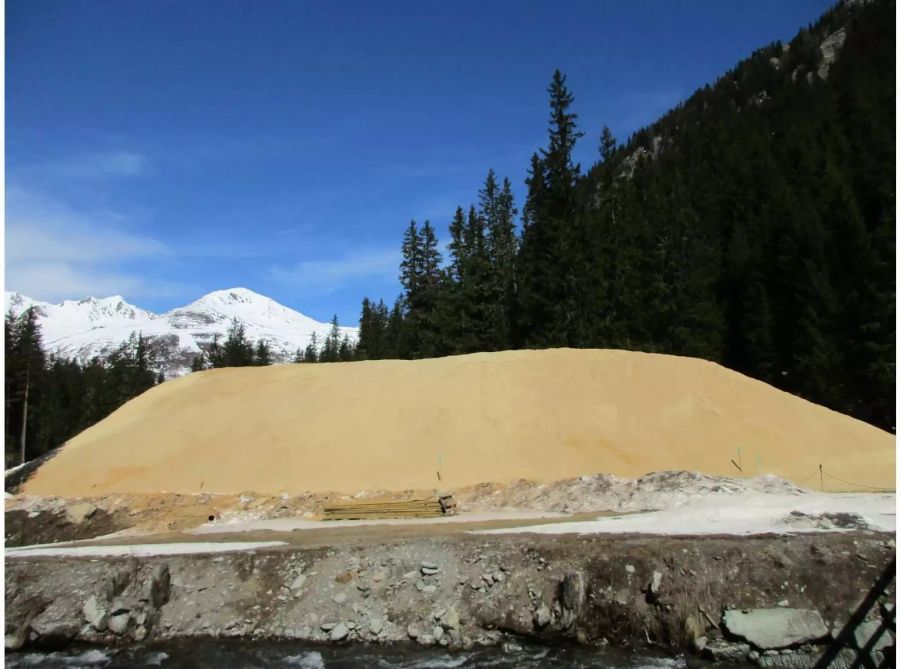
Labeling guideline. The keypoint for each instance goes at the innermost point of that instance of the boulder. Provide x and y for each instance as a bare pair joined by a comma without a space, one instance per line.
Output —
95,613
775,628
78,513
542,616
375,626
339,633
868,629
723,651
118,624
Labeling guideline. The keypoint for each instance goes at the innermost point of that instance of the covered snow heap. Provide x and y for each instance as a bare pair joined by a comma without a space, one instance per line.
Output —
456,421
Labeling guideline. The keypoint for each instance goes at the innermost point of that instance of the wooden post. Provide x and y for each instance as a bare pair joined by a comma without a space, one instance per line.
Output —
821,479
25,411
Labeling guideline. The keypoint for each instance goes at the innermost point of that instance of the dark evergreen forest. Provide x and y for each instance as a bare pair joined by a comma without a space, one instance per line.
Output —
51,399
753,225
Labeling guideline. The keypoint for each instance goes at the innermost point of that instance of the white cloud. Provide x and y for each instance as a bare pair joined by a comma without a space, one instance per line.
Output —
327,276
95,165
54,252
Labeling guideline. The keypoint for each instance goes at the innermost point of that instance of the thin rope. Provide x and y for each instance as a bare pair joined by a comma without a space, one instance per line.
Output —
858,485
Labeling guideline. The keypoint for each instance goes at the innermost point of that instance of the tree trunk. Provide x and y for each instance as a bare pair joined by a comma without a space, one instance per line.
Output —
25,413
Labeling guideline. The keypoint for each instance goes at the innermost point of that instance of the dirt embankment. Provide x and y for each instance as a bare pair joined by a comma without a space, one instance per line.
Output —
460,421
456,590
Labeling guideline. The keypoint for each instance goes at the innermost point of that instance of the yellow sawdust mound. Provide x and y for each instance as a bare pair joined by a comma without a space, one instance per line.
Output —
540,415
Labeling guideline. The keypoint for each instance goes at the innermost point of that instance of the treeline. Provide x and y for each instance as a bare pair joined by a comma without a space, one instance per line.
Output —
238,351
50,399
753,225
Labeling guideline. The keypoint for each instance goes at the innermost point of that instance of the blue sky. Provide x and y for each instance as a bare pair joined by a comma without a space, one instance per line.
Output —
160,150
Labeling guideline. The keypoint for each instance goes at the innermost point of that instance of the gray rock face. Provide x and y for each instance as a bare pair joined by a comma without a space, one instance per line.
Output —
775,628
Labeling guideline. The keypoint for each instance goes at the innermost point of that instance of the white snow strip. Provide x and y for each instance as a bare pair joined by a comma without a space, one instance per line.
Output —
239,524
750,513
13,469
139,550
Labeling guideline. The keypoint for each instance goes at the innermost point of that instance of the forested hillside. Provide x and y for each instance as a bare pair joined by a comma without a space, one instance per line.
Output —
752,225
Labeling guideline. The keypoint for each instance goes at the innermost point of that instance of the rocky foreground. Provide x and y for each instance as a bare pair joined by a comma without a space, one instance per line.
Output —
774,600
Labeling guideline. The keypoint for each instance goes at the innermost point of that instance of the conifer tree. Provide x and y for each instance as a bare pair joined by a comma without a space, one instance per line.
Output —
311,354
262,356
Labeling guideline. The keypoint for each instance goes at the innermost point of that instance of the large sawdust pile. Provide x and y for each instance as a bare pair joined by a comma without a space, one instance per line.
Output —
541,415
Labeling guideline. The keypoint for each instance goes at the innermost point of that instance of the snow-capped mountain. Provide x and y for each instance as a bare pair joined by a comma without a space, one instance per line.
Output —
96,326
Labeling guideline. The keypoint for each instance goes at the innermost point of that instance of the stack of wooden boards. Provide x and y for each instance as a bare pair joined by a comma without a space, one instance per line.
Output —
442,505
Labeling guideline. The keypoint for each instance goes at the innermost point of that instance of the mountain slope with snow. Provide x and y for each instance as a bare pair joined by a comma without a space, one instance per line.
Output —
95,327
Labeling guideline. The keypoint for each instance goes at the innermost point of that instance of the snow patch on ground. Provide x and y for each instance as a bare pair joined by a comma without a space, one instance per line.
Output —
138,550
743,514
291,524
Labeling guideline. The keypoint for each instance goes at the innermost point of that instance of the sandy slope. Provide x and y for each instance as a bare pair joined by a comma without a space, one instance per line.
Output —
541,415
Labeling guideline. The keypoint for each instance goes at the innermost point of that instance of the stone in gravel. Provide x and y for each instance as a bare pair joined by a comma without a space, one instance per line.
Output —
298,582
327,627
140,633
340,598
410,574
118,624
422,586
428,565
542,616
412,631
450,620
629,569
655,582
425,640
775,628
375,626
437,632
378,575
351,625
345,577
430,571
339,633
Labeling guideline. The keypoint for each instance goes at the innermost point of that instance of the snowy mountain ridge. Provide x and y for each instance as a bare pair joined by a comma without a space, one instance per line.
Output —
94,326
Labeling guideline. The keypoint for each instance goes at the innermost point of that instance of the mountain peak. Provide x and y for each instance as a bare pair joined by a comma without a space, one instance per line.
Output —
234,295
